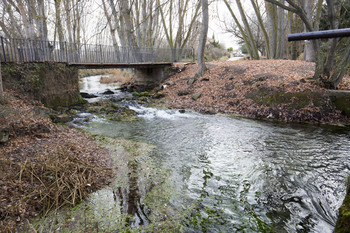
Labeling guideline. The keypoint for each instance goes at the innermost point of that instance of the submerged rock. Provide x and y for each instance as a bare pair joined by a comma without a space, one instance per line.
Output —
112,111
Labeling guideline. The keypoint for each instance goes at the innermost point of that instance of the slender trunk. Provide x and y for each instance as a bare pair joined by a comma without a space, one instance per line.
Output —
110,25
1,88
246,42
262,26
249,31
203,38
309,53
67,7
59,22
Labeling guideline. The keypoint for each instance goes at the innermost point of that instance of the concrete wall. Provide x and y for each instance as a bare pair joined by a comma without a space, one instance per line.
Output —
51,83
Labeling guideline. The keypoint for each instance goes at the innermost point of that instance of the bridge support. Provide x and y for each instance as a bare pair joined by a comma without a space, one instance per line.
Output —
148,78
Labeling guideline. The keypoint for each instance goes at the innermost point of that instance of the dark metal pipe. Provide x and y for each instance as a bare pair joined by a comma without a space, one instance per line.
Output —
345,32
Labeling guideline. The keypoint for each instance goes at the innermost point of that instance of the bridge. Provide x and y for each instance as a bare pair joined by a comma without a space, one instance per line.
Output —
58,64
88,56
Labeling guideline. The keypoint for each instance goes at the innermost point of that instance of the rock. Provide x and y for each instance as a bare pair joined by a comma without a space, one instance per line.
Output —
108,92
60,118
184,92
182,111
341,100
265,76
112,111
197,96
229,87
4,134
87,95
123,114
158,95
191,81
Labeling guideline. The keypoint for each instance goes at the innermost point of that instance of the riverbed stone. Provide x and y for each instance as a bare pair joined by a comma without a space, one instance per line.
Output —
108,92
60,118
112,111
87,95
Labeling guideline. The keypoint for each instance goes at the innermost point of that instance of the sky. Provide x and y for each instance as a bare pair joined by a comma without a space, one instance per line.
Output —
220,13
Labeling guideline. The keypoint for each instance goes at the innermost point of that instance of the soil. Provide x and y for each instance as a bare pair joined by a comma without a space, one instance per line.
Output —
280,90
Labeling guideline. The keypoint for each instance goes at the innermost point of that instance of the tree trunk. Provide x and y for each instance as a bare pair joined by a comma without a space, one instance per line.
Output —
262,25
59,23
1,88
203,38
247,28
309,53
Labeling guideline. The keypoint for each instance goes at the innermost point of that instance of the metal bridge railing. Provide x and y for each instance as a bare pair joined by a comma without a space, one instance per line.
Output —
27,50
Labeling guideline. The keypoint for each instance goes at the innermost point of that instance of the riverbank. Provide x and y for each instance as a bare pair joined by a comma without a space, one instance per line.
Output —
278,90
44,166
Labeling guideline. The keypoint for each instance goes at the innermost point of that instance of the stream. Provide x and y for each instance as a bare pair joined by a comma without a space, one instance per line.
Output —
214,173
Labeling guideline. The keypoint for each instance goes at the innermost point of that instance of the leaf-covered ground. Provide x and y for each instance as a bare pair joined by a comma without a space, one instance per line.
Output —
275,89
44,166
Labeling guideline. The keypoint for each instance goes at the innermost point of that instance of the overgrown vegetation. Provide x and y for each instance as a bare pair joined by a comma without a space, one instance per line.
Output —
44,166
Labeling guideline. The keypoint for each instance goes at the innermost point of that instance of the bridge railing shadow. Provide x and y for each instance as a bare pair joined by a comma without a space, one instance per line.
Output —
27,50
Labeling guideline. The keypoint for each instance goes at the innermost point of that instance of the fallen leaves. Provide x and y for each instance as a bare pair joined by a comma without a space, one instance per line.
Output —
227,84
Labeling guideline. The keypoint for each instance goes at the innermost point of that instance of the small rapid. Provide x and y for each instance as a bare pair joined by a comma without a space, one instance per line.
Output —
236,175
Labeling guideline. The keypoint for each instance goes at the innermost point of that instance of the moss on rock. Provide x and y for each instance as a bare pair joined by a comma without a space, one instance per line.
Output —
298,100
112,111
343,223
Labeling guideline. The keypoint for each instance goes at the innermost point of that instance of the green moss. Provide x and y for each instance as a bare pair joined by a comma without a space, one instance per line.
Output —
53,84
343,223
298,100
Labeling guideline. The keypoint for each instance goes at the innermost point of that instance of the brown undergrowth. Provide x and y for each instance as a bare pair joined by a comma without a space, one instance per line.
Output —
44,166
267,89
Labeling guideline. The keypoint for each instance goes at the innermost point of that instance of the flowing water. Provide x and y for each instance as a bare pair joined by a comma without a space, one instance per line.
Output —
228,174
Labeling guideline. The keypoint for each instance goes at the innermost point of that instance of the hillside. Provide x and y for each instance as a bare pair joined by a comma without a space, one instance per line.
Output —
267,89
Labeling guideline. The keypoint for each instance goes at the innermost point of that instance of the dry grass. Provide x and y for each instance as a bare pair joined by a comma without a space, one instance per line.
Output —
44,166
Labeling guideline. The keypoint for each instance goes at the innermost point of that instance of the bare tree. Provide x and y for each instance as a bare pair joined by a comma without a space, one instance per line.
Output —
329,72
203,37
176,30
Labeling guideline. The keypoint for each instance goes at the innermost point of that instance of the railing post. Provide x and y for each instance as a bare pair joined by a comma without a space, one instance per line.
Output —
66,47
101,54
3,48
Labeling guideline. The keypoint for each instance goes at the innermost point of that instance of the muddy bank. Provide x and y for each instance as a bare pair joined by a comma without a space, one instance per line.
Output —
44,166
279,90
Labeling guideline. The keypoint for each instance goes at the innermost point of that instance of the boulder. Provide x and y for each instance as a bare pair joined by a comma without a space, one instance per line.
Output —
60,118
108,92
87,95
184,92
